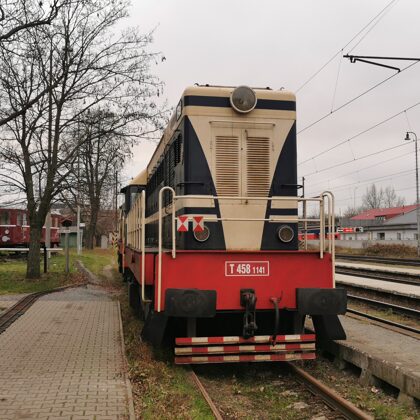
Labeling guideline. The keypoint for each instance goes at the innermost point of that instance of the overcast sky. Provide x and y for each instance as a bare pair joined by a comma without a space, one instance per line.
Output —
281,44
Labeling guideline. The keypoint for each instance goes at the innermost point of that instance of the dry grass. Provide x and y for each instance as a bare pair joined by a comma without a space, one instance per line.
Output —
381,250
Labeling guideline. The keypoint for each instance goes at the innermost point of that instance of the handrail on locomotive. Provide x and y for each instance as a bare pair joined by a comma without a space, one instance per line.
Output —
324,197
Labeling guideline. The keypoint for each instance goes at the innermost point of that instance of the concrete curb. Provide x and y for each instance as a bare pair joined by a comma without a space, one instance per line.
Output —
374,370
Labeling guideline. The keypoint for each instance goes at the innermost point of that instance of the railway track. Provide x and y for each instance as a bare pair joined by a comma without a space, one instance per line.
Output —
399,326
20,307
403,310
404,278
338,404
382,260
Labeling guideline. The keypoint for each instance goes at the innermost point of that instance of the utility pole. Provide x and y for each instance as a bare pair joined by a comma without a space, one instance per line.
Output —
79,245
407,137
47,238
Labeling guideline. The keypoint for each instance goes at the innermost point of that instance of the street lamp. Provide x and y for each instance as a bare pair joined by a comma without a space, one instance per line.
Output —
407,137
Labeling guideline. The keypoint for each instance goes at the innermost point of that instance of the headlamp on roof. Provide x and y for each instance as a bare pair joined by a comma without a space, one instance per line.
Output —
243,99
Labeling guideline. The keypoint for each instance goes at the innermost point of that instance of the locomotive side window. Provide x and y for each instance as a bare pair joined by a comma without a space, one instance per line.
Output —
19,219
4,217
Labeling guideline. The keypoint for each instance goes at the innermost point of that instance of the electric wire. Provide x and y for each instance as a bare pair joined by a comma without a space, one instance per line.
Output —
376,179
360,133
356,159
345,46
350,101
361,196
327,181
336,83
388,8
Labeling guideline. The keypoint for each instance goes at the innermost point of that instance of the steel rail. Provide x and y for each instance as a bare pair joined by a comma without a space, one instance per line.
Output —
385,260
403,278
398,308
206,396
20,307
385,321
347,409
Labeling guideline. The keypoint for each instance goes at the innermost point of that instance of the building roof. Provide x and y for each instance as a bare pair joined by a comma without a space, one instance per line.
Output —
388,213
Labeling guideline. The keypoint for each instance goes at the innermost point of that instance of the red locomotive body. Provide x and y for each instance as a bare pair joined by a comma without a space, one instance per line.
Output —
15,230
209,234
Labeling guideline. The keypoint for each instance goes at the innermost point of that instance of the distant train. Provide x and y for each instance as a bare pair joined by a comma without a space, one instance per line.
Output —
15,229
209,234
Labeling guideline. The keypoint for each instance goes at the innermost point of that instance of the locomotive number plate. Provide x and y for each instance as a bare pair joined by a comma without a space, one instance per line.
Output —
247,268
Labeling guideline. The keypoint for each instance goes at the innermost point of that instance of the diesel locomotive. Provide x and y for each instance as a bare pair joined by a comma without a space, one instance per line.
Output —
208,236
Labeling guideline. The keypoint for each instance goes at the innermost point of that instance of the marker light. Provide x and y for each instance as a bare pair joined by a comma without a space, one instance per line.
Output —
285,233
243,99
203,235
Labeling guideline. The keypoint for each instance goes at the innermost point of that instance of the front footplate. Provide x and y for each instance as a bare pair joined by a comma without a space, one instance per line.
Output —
260,348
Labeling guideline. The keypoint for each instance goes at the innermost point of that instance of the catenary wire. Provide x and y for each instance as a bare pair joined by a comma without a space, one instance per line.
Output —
336,83
388,8
355,159
345,46
376,179
350,101
359,134
361,196
326,181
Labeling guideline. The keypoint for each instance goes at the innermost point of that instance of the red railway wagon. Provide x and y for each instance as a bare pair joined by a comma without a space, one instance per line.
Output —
15,229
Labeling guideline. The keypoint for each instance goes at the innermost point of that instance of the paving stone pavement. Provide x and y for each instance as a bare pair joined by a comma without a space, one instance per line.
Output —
64,359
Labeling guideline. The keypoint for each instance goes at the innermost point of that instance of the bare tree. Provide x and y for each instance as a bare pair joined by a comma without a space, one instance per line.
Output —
82,65
391,199
19,15
91,184
351,211
16,17
373,198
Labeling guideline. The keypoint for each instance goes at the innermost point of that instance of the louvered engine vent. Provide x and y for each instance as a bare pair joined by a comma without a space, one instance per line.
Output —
227,166
258,166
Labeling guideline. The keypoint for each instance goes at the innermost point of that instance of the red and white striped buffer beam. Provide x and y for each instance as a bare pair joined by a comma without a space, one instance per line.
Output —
238,349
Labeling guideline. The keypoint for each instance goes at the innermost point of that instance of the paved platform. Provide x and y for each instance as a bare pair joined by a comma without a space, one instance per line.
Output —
378,267
64,359
401,289
381,354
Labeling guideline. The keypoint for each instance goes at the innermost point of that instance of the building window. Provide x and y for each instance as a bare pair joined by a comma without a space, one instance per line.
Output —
399,236
416,236
380,236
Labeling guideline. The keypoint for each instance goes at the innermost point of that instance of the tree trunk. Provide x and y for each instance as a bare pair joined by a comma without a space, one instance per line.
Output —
33,269
91,230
